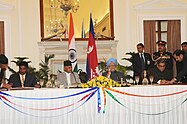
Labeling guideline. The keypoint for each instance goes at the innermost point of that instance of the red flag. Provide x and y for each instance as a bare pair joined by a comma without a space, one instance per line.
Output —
92,61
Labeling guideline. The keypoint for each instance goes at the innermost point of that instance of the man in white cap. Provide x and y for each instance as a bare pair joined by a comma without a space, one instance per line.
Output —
68,77
112,73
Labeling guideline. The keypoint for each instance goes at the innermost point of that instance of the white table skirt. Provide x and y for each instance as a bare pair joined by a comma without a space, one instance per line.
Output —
136,110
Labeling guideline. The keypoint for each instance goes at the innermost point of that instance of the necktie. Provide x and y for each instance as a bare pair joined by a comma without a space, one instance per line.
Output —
142,61
22,80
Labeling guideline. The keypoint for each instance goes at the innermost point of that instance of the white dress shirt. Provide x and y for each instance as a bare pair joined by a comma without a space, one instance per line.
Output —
68,78
142,56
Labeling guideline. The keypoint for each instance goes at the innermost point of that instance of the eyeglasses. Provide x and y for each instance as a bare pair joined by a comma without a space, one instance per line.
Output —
112,65
161,65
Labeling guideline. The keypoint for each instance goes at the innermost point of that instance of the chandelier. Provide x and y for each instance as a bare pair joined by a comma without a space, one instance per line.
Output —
66,5
57,24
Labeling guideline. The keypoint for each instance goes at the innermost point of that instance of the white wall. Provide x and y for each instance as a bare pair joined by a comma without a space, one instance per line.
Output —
22,28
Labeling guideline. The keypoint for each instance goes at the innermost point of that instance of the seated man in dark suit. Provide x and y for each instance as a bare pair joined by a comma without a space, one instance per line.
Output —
141,61
160,73
3,67
23,78
112,73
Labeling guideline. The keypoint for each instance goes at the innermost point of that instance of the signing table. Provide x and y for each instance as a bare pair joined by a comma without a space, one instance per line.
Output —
125,105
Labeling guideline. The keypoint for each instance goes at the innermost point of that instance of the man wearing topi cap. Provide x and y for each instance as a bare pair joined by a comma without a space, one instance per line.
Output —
163,54
3,67
68,77
112,73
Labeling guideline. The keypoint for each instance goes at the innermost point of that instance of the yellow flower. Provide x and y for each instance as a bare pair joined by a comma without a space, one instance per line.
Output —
99,85
94,83
101,81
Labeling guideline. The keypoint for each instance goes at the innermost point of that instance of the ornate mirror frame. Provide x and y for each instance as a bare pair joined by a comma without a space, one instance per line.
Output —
78,39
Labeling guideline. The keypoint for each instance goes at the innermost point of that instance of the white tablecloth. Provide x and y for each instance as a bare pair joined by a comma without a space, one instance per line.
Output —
132,110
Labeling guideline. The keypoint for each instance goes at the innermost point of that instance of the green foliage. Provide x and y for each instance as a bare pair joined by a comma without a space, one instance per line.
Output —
130,67
129,59
20,59
44,72
102,66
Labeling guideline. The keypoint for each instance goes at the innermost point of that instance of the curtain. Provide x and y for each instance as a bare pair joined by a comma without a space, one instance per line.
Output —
173,35
2,38
174,38
150,36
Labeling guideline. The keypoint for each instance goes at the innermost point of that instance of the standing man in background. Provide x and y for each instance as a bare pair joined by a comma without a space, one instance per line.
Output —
141,61
180,56
179,65
184,47
163,54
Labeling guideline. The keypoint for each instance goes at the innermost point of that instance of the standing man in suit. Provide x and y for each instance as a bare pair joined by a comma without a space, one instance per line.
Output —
3,68
184,47
141,61
112,73
68,77
23,78
180,56
179,65
163,54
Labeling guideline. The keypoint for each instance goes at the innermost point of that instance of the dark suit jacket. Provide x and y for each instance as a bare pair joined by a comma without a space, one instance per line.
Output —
179,66
30,80
183,72
1,75
115,75
158,75
136,63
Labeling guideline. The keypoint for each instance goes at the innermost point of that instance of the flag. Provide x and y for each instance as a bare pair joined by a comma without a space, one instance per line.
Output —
92,61
83,35
71,46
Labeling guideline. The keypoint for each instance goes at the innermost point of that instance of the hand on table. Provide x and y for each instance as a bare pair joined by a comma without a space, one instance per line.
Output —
37,86
164,82
7,86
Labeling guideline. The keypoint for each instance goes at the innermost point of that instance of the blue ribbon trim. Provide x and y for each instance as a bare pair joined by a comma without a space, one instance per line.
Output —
50,116
99,100
49,98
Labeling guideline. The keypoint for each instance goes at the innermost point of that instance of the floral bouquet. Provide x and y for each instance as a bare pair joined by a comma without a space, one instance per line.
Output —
101,81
